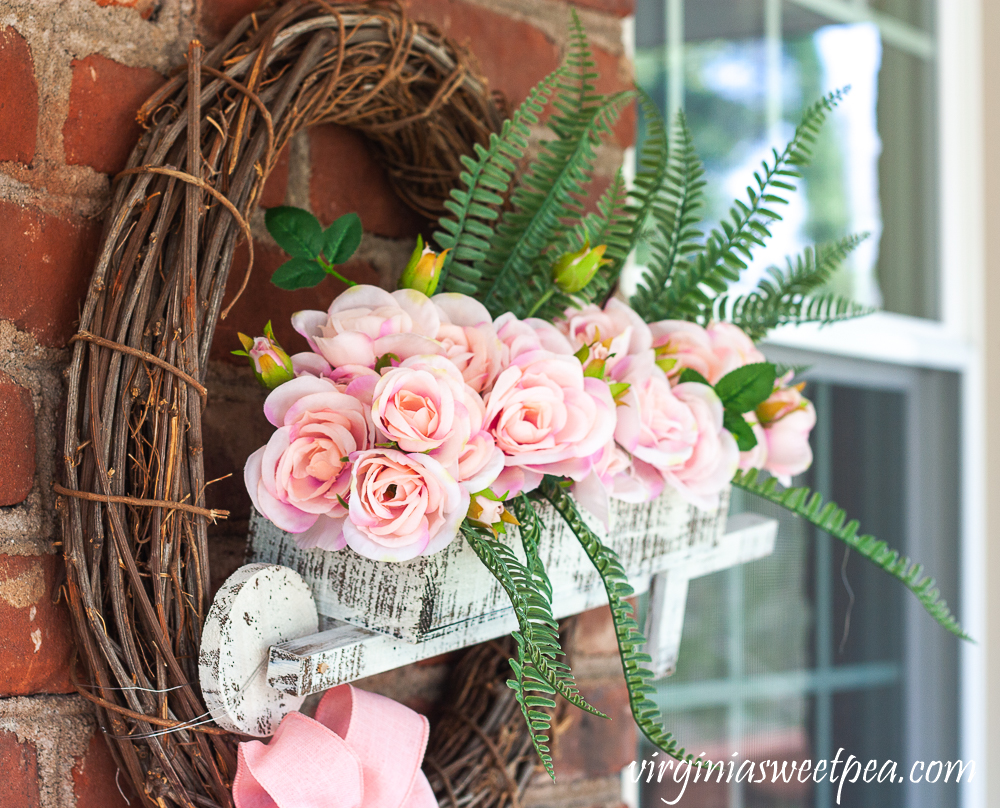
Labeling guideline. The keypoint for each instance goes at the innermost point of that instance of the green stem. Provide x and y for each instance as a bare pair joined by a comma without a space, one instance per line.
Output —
542,300
328,268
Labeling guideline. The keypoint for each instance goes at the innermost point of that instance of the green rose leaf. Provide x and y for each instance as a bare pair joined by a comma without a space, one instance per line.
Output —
299,273
297,231
342,238
746,387
691,375
742,431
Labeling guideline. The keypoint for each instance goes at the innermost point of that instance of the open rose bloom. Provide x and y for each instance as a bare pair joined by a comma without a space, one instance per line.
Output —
409,415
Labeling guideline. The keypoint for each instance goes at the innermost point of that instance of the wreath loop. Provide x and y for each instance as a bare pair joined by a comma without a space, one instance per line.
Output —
135,519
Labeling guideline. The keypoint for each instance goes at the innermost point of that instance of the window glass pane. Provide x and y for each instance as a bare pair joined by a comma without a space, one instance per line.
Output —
814,649
751,67
918,13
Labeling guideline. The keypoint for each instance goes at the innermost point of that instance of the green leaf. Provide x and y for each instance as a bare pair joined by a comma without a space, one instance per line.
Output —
342,238
747,386
832,519
298,273
679,287
742,431
692,375
297,231
630,639
787,296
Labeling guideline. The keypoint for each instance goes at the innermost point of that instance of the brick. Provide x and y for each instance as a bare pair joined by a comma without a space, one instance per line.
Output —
618,8
96,778
101,127
47,264
261,301
36,641
346,177
513,55
19,99
594,633
19,764
594,747
144,7
218,16
276,184
17,422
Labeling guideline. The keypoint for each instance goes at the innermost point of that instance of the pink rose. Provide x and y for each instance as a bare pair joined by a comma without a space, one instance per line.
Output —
424,405
301,477
486,511
365,323
653,424
469,339
612,332
713,352
312,364
522,336
680,344
678,431
616,475
402,505
547,418
715,455
732,347
755,458
787,418
480,463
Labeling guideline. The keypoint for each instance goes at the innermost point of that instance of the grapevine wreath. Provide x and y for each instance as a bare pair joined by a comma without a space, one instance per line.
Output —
408,392
136,518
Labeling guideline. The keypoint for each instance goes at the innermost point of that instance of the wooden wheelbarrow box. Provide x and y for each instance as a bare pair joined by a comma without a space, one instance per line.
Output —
452,592
294,622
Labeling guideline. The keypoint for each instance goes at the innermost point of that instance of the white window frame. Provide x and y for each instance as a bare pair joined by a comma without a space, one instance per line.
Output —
954,343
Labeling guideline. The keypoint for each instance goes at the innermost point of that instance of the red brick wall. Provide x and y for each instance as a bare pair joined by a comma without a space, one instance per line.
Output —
73,75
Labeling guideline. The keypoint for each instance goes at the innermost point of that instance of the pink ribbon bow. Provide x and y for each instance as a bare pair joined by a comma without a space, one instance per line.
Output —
361,751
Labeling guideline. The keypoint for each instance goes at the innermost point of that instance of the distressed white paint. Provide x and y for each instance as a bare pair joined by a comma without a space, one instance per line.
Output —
258,606
452,592
344,652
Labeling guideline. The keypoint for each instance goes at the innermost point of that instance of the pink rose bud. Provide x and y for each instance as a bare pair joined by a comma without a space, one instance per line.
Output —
573,271
488,510
423,270
271,365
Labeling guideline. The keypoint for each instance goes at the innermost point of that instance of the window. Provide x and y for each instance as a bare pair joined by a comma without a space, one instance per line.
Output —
813,649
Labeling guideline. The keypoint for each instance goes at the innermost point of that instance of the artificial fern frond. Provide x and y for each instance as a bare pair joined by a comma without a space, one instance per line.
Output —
541,203
674,222
610,225
537,670
630,639
832,519
689,293
475,210
784,296
576,94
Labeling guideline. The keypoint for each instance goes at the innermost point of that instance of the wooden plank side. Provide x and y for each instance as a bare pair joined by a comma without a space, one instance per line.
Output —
438,595
343,652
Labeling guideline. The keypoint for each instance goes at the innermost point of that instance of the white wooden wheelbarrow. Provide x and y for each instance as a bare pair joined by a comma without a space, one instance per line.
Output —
296,622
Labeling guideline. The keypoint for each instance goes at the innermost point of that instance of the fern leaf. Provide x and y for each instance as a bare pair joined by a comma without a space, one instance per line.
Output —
475,210
542,202
630,639
537,668
832,519
577,93
730,246
784,296
674,220
610,226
